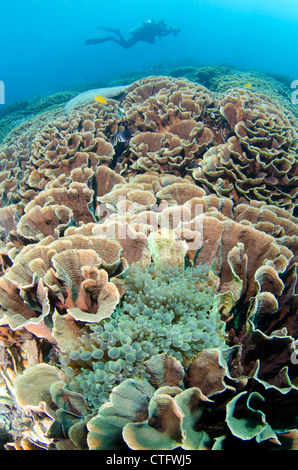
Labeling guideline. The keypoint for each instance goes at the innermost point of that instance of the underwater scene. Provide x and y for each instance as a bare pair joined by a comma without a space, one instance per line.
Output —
148,224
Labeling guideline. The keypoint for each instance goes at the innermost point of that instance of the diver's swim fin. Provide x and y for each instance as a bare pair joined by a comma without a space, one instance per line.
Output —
97,41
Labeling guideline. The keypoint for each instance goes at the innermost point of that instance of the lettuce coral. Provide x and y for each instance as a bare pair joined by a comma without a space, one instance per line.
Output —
216,406
258,160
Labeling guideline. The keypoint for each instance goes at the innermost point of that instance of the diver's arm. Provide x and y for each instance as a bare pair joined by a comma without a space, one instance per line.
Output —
169,30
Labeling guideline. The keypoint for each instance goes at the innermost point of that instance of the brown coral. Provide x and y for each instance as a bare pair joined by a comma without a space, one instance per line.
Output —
169,116
58,148
170,152
259,160
86,292
70,274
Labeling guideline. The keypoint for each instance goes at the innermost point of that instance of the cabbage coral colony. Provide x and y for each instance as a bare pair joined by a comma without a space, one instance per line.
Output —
148,284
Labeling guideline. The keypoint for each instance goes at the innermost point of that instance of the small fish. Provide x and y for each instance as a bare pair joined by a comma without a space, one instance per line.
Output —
122,136
101,99
247,85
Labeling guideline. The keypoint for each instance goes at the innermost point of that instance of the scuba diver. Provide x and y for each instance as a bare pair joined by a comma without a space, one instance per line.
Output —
146,32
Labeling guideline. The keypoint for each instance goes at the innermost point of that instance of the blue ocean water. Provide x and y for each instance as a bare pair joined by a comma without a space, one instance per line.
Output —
43,41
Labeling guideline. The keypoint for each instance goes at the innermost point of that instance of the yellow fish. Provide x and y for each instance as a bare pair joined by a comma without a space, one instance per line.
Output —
101,99
247,85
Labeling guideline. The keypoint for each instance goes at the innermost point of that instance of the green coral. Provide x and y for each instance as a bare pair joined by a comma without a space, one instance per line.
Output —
173,310
18,115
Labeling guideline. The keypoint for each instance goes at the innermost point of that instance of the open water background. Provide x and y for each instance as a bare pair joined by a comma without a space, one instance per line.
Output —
42,42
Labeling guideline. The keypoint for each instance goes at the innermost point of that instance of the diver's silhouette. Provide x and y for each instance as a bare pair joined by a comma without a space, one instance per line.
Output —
146,32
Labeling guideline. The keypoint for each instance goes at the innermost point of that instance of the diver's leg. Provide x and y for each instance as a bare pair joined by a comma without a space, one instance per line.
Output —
99,40
122,42
130,42
116,31
110,30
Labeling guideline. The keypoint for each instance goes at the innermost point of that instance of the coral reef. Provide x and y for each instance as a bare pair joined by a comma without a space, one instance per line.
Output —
110,92
259,160
148,269
15,117
164,309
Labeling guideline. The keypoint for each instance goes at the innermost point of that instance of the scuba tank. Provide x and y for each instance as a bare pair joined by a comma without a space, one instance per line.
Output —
141,28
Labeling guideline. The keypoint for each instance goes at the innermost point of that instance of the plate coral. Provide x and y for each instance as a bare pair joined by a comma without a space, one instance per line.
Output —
149,253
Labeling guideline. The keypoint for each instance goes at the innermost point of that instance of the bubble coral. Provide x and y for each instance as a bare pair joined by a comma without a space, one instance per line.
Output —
167,308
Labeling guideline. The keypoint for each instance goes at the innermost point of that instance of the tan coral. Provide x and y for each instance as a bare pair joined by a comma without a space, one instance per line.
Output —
271,219
259,162
40,222
32,388
180,192
264,303
106,180
172,132
7,220
206,372
219,237
77,197
269,287
165,370
86,293
128,402
65,330
163,430
211,223
59,145
73,271
133,242
152,184
17,313
170,152
157,102
63,162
